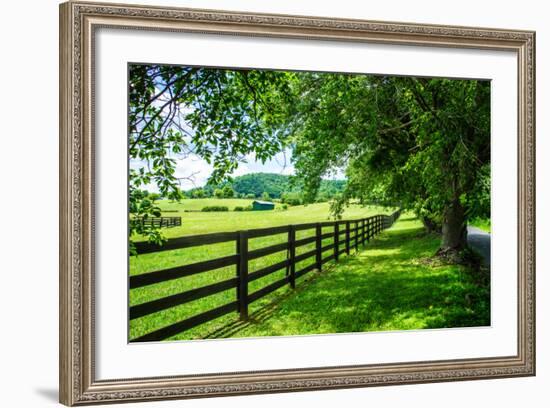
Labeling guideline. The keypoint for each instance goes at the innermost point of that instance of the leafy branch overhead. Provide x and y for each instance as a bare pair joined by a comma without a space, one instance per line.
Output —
422,144
218,115
418,143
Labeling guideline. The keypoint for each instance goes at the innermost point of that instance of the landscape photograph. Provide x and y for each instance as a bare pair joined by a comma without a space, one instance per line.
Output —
283,203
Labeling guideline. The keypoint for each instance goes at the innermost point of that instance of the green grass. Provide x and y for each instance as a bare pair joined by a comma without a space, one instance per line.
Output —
196,204
482,224
206,222
200,223
391,285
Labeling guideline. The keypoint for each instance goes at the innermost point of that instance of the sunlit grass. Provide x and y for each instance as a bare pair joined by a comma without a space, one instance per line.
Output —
205,222
390,285
201,223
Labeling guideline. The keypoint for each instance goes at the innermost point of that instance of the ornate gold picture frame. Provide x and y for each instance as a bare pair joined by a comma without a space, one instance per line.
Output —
78,24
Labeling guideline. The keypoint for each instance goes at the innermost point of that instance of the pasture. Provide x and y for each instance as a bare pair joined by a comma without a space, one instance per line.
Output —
200,223
390,285
196,204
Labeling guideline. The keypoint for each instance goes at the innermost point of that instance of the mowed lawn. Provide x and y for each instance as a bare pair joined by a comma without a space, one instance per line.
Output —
391,285
197,222
208,222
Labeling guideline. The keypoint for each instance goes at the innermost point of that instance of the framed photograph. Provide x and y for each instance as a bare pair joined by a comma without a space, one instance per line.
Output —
256,203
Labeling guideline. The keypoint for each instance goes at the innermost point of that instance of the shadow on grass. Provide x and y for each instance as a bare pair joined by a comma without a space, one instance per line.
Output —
262,314
387,286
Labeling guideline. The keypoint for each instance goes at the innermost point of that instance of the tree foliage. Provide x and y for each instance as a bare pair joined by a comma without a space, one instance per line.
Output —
252,185
217,115
417,143
256,183
421,144
228,192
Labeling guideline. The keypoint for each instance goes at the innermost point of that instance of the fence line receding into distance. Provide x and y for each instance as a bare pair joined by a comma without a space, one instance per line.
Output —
346,233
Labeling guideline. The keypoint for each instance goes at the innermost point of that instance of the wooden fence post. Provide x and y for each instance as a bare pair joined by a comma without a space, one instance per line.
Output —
243,274
347,237
363,232
238,271
356,236
336,241
318,246
292,255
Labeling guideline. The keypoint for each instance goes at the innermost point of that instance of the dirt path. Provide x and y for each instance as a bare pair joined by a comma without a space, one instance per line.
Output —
480,241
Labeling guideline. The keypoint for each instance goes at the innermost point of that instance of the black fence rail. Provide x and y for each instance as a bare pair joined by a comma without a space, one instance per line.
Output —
345,235
161,222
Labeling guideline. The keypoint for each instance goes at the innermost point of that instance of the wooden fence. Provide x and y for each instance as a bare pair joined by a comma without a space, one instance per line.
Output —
161,222
346,233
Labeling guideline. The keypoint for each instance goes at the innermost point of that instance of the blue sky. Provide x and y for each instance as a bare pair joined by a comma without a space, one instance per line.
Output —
201,170
193,171
198,170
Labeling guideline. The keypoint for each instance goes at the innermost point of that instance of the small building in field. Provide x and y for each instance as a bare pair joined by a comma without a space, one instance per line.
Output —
258,205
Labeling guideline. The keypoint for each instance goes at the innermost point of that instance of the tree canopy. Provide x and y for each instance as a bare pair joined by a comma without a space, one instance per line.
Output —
217,115
418,143
421,144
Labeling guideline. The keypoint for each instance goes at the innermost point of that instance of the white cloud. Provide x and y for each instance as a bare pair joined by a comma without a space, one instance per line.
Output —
241,170
193,171
288,170
280,164
336,174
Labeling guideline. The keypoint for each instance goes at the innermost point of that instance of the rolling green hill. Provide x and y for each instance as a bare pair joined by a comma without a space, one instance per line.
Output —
257,183
276,185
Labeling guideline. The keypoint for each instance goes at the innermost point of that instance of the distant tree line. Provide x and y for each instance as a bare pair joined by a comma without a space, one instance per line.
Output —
266,186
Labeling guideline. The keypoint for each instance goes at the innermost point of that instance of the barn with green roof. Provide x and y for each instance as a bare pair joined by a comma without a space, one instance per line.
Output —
258,205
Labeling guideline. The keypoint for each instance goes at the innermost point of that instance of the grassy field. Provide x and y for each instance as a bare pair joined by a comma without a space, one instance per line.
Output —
391,285
196,204
206,222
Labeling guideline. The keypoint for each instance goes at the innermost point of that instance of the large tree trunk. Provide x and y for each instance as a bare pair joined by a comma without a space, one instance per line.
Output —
431,225
453,230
